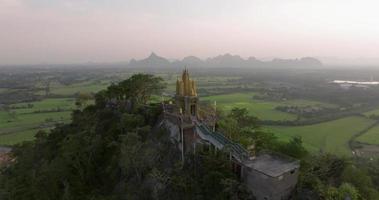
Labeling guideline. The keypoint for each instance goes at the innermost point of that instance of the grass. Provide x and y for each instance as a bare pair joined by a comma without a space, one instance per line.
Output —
332,136
372,112
72,89
28,120
86,87
371,136
21,124
3,90
46,104
4,116
15,138
263,109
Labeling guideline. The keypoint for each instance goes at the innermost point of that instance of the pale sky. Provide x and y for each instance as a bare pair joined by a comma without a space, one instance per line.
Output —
76,31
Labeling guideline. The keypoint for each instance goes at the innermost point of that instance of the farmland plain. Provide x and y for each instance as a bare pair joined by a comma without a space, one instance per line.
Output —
19,122
332,136
370,137
262,109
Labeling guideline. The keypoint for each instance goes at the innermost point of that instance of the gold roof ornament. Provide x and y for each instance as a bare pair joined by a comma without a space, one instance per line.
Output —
186,86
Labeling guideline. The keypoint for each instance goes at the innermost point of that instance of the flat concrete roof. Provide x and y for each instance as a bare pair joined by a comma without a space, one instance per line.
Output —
272,164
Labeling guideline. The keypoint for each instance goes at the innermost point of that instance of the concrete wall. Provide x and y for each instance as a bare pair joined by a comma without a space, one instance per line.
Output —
190,140
173,129
270,188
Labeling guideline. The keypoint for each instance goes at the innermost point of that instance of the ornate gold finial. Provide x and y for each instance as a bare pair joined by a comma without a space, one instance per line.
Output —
186,86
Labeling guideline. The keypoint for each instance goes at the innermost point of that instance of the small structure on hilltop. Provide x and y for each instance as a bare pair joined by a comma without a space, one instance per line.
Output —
268,175
271,176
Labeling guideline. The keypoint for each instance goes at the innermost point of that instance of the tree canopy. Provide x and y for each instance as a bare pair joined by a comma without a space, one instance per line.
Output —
114,150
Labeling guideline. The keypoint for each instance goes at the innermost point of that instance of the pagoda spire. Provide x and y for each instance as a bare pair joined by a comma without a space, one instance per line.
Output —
186,96
186,86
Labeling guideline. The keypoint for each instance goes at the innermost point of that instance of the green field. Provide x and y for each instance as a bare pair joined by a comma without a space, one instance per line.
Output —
372,112
32,120
25,119
262,109
85,87
371,136
209,83
332,136
3,90
18,137
14,130
45,105
17,125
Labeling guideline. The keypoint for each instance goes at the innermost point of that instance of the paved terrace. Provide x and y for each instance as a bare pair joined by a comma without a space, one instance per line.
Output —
269,163
272,164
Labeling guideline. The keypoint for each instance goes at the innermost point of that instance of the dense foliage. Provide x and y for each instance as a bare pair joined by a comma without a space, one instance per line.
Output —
113,150
245,129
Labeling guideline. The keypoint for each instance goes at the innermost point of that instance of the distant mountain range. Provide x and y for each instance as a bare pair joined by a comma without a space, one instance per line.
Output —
222,61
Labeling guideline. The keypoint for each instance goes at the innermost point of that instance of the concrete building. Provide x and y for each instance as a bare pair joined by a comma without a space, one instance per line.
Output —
271,176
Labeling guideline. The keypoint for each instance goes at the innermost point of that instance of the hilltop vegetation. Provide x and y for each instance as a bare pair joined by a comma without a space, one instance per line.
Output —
299,108
113,150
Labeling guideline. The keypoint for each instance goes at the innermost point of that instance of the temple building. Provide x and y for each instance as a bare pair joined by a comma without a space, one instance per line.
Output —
269,175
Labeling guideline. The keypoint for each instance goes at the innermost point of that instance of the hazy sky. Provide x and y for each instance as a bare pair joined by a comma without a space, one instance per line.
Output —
71,31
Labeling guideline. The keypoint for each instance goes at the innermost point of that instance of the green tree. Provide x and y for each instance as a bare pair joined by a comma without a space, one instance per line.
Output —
347,190
110,154
361,180
241,115
82,100
235,190
140,87
230,128
293,148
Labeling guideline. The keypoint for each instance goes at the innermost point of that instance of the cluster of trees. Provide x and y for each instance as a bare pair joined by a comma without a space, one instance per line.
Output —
374,116
322,175
83,99
268,95
18,96
57,109
33,84
307,111
29,105
245,129
326,176
314,120
112,150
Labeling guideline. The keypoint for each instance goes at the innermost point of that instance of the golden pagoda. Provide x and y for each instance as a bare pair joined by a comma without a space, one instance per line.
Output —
186,95
186,86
